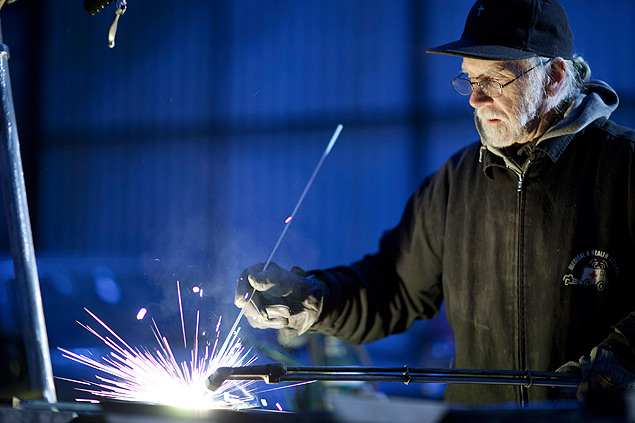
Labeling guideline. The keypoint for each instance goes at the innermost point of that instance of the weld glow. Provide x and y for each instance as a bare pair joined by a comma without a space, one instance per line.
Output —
157,377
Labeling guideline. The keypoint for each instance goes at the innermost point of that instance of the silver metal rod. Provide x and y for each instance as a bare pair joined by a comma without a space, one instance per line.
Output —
287,222
21,241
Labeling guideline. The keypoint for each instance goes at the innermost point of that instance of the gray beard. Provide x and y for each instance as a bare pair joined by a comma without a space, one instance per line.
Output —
523,118
499,138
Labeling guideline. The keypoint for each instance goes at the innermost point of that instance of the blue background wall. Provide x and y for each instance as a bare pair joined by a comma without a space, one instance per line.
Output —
178,154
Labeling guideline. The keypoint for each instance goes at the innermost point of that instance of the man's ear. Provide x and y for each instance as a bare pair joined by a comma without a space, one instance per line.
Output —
557,73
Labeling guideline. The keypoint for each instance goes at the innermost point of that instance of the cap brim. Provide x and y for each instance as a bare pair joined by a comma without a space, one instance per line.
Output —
478,50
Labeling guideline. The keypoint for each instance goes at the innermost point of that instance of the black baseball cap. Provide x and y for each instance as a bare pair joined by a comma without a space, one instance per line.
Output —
513,30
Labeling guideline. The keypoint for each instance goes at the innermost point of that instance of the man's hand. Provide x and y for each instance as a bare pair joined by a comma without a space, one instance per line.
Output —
279,299
603,374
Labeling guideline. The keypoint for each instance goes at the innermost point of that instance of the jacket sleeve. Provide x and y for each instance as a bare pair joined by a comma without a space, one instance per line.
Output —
609,370
610,367
385,292
621,340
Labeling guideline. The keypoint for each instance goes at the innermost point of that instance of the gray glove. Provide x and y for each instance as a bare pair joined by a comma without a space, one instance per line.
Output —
279,299
602,374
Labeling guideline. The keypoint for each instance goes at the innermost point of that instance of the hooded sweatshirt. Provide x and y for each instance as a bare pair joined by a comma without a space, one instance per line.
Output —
531,254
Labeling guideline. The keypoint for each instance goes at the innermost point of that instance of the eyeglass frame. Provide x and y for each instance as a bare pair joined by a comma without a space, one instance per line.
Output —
500,86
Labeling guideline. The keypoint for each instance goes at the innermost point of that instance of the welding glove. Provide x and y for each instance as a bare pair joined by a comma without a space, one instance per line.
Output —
279,299
608,372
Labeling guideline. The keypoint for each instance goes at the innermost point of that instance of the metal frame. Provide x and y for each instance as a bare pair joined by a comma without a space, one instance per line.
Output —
21,240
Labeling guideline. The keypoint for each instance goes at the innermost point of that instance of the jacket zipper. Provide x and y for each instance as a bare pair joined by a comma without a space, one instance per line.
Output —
519,187
520,173
521,289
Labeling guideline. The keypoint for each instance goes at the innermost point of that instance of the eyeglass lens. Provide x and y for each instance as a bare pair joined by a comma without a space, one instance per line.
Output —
464,87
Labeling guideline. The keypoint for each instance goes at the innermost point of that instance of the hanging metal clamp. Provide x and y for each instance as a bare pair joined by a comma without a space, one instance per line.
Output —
120,8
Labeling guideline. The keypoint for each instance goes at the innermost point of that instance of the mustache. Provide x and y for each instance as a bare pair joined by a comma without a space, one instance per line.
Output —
484,114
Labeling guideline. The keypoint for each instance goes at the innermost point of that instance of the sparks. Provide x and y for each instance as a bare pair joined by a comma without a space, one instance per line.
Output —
178,294
157,377
142,313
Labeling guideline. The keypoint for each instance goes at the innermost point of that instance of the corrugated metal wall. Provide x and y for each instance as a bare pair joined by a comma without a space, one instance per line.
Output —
219,99
198,103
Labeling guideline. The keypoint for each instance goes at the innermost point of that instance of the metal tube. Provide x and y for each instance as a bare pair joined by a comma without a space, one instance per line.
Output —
278,372
21,241
521,379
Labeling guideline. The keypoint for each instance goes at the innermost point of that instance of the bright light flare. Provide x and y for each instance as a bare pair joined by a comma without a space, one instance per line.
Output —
155,376
142,313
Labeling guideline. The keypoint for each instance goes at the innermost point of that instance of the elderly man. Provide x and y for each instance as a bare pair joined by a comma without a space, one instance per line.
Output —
527,236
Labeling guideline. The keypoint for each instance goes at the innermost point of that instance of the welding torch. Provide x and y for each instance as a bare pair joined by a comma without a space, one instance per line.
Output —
279,372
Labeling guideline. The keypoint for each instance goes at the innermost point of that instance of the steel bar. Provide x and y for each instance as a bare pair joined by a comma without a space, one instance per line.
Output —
21,241
278,372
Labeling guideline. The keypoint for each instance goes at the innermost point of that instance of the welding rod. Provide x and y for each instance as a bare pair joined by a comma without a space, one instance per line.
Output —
279,372
287,222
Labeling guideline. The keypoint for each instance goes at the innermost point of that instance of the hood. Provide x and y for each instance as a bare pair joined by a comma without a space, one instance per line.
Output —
597,100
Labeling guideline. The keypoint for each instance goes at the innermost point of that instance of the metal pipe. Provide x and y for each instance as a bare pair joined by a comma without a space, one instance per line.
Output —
21,241
278,372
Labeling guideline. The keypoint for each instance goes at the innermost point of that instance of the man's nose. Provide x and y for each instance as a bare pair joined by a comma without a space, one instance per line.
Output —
478,98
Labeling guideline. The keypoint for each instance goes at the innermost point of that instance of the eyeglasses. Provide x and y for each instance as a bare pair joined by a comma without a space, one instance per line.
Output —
490,88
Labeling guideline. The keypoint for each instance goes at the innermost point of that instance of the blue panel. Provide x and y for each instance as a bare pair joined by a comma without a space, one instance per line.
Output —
604,36
159,72
294,58
126,199
359,192
444,23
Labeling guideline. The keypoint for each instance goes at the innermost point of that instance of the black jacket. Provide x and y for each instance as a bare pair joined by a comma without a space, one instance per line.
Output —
532,255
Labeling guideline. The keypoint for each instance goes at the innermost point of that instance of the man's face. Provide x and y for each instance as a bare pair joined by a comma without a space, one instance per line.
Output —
512,118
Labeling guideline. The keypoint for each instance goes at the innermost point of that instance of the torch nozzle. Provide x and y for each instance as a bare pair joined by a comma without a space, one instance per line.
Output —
268,373
216,379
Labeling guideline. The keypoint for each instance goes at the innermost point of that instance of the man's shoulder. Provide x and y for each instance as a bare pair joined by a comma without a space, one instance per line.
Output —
468,152
463,163
458,166
612,131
